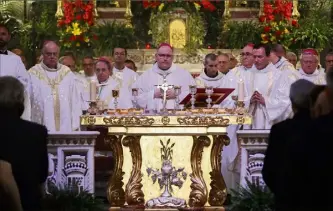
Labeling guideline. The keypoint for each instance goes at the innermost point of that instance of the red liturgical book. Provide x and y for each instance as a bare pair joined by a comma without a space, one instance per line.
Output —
217,97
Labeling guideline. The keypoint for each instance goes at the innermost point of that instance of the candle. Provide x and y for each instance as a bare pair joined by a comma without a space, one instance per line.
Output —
93,90
241,90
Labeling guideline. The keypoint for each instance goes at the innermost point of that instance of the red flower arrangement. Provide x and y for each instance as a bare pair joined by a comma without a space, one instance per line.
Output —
76,24
277,22
206,4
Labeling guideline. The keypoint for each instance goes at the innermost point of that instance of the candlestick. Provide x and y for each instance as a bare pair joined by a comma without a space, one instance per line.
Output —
241,90
135,94
93,90
115,95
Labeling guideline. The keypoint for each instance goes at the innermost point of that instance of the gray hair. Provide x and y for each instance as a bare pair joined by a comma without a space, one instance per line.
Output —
300,94
11,94
289,53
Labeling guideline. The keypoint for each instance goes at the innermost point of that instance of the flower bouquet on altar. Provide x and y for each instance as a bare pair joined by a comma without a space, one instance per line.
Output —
277,23
75,27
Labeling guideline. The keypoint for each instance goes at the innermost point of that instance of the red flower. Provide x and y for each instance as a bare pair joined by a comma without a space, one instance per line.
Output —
267,29
278,33
73,38
78,17
294,23
262,18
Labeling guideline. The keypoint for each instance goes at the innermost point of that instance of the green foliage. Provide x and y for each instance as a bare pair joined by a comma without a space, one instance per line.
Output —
141,23
252,198
111,35
13,9
239,33
158,23
66,199
315,29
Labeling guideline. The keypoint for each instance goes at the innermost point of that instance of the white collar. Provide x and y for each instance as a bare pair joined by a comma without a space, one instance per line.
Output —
314,74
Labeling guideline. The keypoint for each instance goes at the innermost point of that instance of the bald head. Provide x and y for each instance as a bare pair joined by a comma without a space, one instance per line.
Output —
50,52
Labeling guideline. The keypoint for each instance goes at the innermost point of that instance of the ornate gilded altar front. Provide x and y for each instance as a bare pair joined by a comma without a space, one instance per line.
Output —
167,161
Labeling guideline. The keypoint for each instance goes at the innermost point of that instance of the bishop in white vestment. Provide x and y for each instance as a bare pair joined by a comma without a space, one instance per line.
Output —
210,76
56,94
108,83
150,96
309,68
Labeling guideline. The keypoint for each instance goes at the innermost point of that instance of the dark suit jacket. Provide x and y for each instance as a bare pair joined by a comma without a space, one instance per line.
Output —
24,145
286,166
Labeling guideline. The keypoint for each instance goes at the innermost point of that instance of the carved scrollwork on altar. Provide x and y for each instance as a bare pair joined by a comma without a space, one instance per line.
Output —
220,121
218,193
115,191
133,191
128,121
198,194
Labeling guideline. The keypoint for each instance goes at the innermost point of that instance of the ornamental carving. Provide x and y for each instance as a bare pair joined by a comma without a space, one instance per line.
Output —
128,121
133,192
208,121
115,191
198,194
165,120
218,192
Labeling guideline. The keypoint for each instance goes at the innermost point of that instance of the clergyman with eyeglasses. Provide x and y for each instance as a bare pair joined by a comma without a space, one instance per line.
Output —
164,70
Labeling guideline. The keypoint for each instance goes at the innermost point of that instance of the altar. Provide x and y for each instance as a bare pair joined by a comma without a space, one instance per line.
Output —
166,161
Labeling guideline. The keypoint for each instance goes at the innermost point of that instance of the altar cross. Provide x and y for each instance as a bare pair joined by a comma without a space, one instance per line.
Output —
165,87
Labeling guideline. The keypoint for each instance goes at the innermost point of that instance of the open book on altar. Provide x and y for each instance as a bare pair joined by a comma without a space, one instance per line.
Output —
219,94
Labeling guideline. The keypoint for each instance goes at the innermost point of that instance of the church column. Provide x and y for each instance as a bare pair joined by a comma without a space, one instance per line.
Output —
128,14
295,13
59,14
226,13
261,10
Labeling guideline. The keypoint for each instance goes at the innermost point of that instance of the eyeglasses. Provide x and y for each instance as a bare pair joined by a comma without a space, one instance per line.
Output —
168,56
49,54
246,54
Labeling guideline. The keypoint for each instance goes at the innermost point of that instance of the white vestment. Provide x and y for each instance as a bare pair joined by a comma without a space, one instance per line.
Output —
84,88
11,65
124,101
203,80
317,77
283,64
274,85
126,78
147,82
56,97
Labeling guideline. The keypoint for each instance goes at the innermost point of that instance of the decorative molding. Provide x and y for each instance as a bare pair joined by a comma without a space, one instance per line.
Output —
198,120
128,121
218,192
133,192
71,160
253,145
115,191
198,194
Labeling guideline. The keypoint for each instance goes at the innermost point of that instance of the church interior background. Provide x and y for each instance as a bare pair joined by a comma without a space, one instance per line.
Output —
193,28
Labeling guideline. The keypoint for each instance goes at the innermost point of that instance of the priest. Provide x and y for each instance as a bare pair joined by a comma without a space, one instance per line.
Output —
164,70
12,65
210,75
110,93
55,90
309,68
279,61
232,78
266,90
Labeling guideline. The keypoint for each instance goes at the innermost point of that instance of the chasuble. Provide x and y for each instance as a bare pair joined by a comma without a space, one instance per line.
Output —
147,82
56,97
